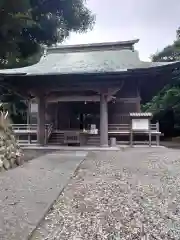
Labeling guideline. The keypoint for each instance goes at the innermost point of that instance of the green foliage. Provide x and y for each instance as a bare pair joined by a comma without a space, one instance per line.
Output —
26,25
169,96
168,54
166,104
15,106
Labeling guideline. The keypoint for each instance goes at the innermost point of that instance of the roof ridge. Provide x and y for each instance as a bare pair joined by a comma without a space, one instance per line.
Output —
94,46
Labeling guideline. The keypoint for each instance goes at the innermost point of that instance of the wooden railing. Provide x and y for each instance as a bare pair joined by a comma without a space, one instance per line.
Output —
113,129
29,130
26,141
24,127
27,127
49,130
125,130
119,128
127,127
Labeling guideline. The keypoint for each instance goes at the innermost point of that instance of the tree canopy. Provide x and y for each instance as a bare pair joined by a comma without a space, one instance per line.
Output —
167,101
27,25
168,54
169,96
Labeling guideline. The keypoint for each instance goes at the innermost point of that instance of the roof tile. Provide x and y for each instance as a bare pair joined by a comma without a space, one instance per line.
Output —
88,61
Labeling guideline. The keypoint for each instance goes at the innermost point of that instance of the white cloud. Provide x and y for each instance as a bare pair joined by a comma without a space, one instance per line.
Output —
153,22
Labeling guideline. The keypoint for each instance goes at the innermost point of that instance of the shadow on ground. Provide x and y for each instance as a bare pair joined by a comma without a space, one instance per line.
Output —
30,154
169,144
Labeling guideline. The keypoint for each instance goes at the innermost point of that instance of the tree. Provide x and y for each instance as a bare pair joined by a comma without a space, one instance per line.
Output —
166,104
27,25
170,53
169,96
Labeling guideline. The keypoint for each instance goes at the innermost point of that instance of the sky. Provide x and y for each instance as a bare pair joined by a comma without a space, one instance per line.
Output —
153,22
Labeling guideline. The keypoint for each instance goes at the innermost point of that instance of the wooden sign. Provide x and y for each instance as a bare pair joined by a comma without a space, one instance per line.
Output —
71,138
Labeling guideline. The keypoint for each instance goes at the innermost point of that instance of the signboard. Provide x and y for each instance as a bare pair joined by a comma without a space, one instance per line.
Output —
140,124
93,126
71,137
93,129
34,107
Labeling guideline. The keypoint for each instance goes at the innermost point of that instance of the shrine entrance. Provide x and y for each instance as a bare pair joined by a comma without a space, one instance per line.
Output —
77,115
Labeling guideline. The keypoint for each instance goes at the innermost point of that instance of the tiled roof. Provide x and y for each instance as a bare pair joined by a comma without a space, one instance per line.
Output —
141,114
91,46
66,60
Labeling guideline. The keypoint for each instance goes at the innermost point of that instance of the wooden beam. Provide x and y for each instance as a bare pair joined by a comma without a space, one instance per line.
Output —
53,97
73,98
22,94
91,86
113,91
128,100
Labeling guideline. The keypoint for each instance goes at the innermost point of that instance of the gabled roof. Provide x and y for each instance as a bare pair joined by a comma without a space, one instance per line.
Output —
88,58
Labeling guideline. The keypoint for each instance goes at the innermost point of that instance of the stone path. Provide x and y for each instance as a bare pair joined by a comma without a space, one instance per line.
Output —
134,194
27,192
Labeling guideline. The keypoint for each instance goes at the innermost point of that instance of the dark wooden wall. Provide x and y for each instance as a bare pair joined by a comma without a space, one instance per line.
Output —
127,100
64,115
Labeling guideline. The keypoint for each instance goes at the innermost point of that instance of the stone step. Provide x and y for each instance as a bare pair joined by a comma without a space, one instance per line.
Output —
93,140
56,138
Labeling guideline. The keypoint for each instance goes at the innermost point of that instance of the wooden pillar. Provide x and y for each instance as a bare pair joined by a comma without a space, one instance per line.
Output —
28,118
138,105
157,135
138,100
103,120
56,115
41,135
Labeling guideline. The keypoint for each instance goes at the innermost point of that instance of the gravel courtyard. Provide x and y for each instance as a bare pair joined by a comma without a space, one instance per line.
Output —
130,194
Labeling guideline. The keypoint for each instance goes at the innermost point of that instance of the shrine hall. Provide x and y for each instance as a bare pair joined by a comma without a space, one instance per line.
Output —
85,93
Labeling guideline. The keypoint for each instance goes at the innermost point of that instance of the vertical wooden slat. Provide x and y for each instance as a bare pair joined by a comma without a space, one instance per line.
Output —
157,135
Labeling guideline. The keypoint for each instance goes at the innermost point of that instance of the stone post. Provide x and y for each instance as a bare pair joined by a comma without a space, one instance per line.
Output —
103,120
41,135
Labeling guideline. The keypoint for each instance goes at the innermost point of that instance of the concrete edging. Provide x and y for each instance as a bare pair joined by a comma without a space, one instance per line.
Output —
48,208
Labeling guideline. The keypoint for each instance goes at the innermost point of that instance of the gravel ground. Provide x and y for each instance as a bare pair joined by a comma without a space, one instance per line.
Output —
134,194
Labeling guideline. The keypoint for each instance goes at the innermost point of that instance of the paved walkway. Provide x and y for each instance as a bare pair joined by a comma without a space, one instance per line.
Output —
27,192
130,194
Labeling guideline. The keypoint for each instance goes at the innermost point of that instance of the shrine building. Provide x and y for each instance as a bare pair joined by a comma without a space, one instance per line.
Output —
86,88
